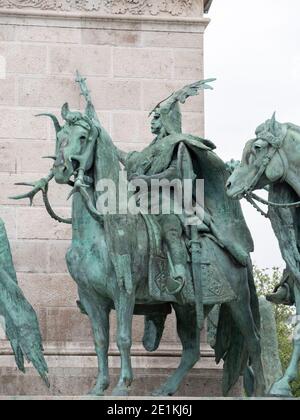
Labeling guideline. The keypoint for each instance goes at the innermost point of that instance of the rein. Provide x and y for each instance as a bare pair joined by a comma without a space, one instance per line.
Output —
50,210
86,198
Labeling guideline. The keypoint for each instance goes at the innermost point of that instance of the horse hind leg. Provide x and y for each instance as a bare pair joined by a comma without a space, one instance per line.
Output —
189,335
282,387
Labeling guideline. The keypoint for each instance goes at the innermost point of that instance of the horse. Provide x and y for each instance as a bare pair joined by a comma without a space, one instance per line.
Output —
272,161
85,149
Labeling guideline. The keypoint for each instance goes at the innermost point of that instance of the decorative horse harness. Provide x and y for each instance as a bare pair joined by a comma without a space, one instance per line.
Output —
275,146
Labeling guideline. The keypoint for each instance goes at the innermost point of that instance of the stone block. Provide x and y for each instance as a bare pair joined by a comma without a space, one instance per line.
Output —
60,324
21,124
7,32
8,91
30,156
125,127
48,34
193,123
35,223
50,92
118,38
24,58
8,156
8,215
173,40
115,95
49,290
30,256
143,63
188,64
89,60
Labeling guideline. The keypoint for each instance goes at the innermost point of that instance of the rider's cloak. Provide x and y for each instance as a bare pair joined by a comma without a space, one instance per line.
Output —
18,318
228,225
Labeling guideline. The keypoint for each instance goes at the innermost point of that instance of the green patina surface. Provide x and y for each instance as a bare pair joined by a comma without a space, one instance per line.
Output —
19,320
148,265
272,161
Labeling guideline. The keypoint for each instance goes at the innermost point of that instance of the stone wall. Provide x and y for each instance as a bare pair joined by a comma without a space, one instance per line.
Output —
134,54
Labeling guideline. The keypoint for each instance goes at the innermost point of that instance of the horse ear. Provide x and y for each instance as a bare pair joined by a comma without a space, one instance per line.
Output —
273,123
65,111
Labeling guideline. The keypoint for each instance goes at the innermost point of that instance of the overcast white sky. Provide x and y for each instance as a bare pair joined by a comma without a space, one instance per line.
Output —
253,48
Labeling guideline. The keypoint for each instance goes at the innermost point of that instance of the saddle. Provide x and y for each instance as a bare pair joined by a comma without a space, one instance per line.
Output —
216,287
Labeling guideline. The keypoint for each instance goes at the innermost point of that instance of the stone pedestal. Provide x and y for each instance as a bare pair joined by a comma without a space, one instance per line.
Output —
134,54
75,374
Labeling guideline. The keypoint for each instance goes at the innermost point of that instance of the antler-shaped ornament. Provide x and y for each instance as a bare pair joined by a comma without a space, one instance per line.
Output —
38,186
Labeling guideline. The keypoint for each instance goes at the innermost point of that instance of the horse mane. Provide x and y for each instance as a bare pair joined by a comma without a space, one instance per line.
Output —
294,127
107,163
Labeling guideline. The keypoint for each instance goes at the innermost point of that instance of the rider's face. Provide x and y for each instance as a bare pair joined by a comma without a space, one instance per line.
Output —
156,124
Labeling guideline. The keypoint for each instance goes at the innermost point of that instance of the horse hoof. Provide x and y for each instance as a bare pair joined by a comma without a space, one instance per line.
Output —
121,392
280,390
95,392
162,392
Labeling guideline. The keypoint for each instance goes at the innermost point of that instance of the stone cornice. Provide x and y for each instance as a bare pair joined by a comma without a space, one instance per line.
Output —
151,8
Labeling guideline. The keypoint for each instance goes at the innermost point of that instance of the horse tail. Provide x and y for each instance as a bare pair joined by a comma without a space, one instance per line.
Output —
230,343
154,328
230,346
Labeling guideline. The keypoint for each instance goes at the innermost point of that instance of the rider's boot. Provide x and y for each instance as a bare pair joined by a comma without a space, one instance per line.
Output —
280,297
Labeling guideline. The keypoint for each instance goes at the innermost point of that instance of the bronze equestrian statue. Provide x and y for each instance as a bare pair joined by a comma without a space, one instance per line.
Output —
272,160
148,264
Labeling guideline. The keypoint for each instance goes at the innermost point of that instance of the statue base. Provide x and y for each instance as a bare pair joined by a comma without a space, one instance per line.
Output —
74,374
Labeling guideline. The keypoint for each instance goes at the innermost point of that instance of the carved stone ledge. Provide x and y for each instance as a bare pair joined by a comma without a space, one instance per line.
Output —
166,8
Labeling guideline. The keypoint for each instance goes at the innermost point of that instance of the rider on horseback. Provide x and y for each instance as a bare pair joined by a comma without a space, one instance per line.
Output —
147,165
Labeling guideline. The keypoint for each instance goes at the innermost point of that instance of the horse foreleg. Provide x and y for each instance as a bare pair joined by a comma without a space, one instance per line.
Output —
242,315
98,311
189,335
124,307
282,387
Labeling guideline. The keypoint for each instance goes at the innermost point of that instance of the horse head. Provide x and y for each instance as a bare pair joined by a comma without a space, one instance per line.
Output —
75,144
263,162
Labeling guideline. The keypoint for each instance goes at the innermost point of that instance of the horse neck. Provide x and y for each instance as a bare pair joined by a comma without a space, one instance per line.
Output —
105,166
106,161
84,226
291,149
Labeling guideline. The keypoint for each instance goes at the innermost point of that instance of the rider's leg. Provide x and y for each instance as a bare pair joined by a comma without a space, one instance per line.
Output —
172,235
283,294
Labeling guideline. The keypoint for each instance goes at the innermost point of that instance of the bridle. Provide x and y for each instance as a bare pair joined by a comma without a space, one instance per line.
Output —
274,147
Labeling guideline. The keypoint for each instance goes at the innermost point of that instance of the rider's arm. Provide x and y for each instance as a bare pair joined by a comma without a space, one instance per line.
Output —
122,156
170,174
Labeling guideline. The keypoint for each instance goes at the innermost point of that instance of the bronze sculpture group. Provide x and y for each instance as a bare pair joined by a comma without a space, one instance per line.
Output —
149,264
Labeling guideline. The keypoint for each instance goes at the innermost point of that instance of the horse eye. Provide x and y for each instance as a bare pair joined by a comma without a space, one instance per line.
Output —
82,139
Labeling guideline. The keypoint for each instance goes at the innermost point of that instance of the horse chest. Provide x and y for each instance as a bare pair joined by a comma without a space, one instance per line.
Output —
84,264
